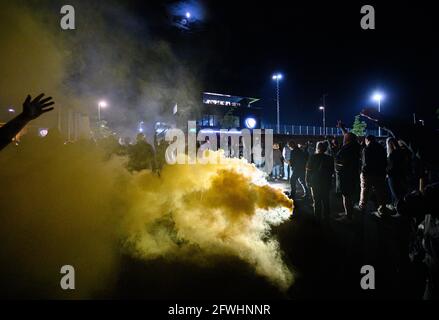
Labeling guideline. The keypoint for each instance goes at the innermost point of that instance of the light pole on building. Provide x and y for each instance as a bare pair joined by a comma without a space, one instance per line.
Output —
278,77
101,104
323,109
378,97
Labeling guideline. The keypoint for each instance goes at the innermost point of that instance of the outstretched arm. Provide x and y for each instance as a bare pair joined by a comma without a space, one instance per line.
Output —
394,127
32,109
422,141
341,126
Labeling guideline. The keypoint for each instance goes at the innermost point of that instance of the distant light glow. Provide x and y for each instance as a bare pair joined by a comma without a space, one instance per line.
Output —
43,133
187,15
250,123
322,108
11,110
278,76
377,96
103,104
140,129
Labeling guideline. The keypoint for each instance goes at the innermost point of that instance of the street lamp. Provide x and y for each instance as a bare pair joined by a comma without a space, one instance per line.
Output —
251,123
323,109
102,104
378,97
278,77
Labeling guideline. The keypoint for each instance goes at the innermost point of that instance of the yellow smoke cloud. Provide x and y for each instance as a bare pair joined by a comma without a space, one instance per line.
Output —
30,60
64,204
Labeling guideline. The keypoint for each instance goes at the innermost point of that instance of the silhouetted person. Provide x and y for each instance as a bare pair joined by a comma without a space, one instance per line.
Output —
397,170
348,170
425,206
141,154
277,162
286,154
298,159
334,146
373,174
32,109
161,148
422,141
319,171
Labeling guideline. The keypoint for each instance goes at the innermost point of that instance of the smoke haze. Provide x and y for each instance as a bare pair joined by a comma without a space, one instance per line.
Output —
69,205
64,204
110,55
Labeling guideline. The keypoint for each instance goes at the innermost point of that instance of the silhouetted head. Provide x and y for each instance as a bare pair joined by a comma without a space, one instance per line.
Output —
321,147
292,144
392,145
349,138
127,141
370,139
140,137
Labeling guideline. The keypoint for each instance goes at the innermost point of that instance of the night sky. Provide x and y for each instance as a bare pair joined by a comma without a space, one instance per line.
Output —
320,48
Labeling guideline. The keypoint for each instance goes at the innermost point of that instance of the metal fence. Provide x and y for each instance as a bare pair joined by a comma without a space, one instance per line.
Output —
295,130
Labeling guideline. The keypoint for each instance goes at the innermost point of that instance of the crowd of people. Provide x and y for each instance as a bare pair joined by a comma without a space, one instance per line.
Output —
397,173
390,178
360,168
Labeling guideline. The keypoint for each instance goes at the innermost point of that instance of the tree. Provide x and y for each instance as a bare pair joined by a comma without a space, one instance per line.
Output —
359,127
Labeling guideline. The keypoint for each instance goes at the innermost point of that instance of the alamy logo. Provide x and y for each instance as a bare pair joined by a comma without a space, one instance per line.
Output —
256,147
368,20
368,280
68,19
68,280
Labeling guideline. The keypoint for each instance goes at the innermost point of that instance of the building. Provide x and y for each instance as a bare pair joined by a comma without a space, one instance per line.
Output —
221,111
71,124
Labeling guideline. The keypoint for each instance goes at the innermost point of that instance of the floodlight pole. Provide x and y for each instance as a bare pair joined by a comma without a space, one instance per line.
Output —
278,104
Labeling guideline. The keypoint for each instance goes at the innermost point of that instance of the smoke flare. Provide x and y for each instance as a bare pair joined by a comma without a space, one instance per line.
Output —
64,204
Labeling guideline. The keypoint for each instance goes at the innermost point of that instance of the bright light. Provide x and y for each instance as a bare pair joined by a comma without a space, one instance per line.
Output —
103,104
11,110
377,96
188,15
250,123
322,108
43,133
277,77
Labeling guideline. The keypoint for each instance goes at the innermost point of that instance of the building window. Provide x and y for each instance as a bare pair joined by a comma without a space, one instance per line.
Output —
208,121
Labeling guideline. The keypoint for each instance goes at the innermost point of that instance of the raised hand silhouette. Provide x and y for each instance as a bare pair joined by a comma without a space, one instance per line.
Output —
342,127
32,109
